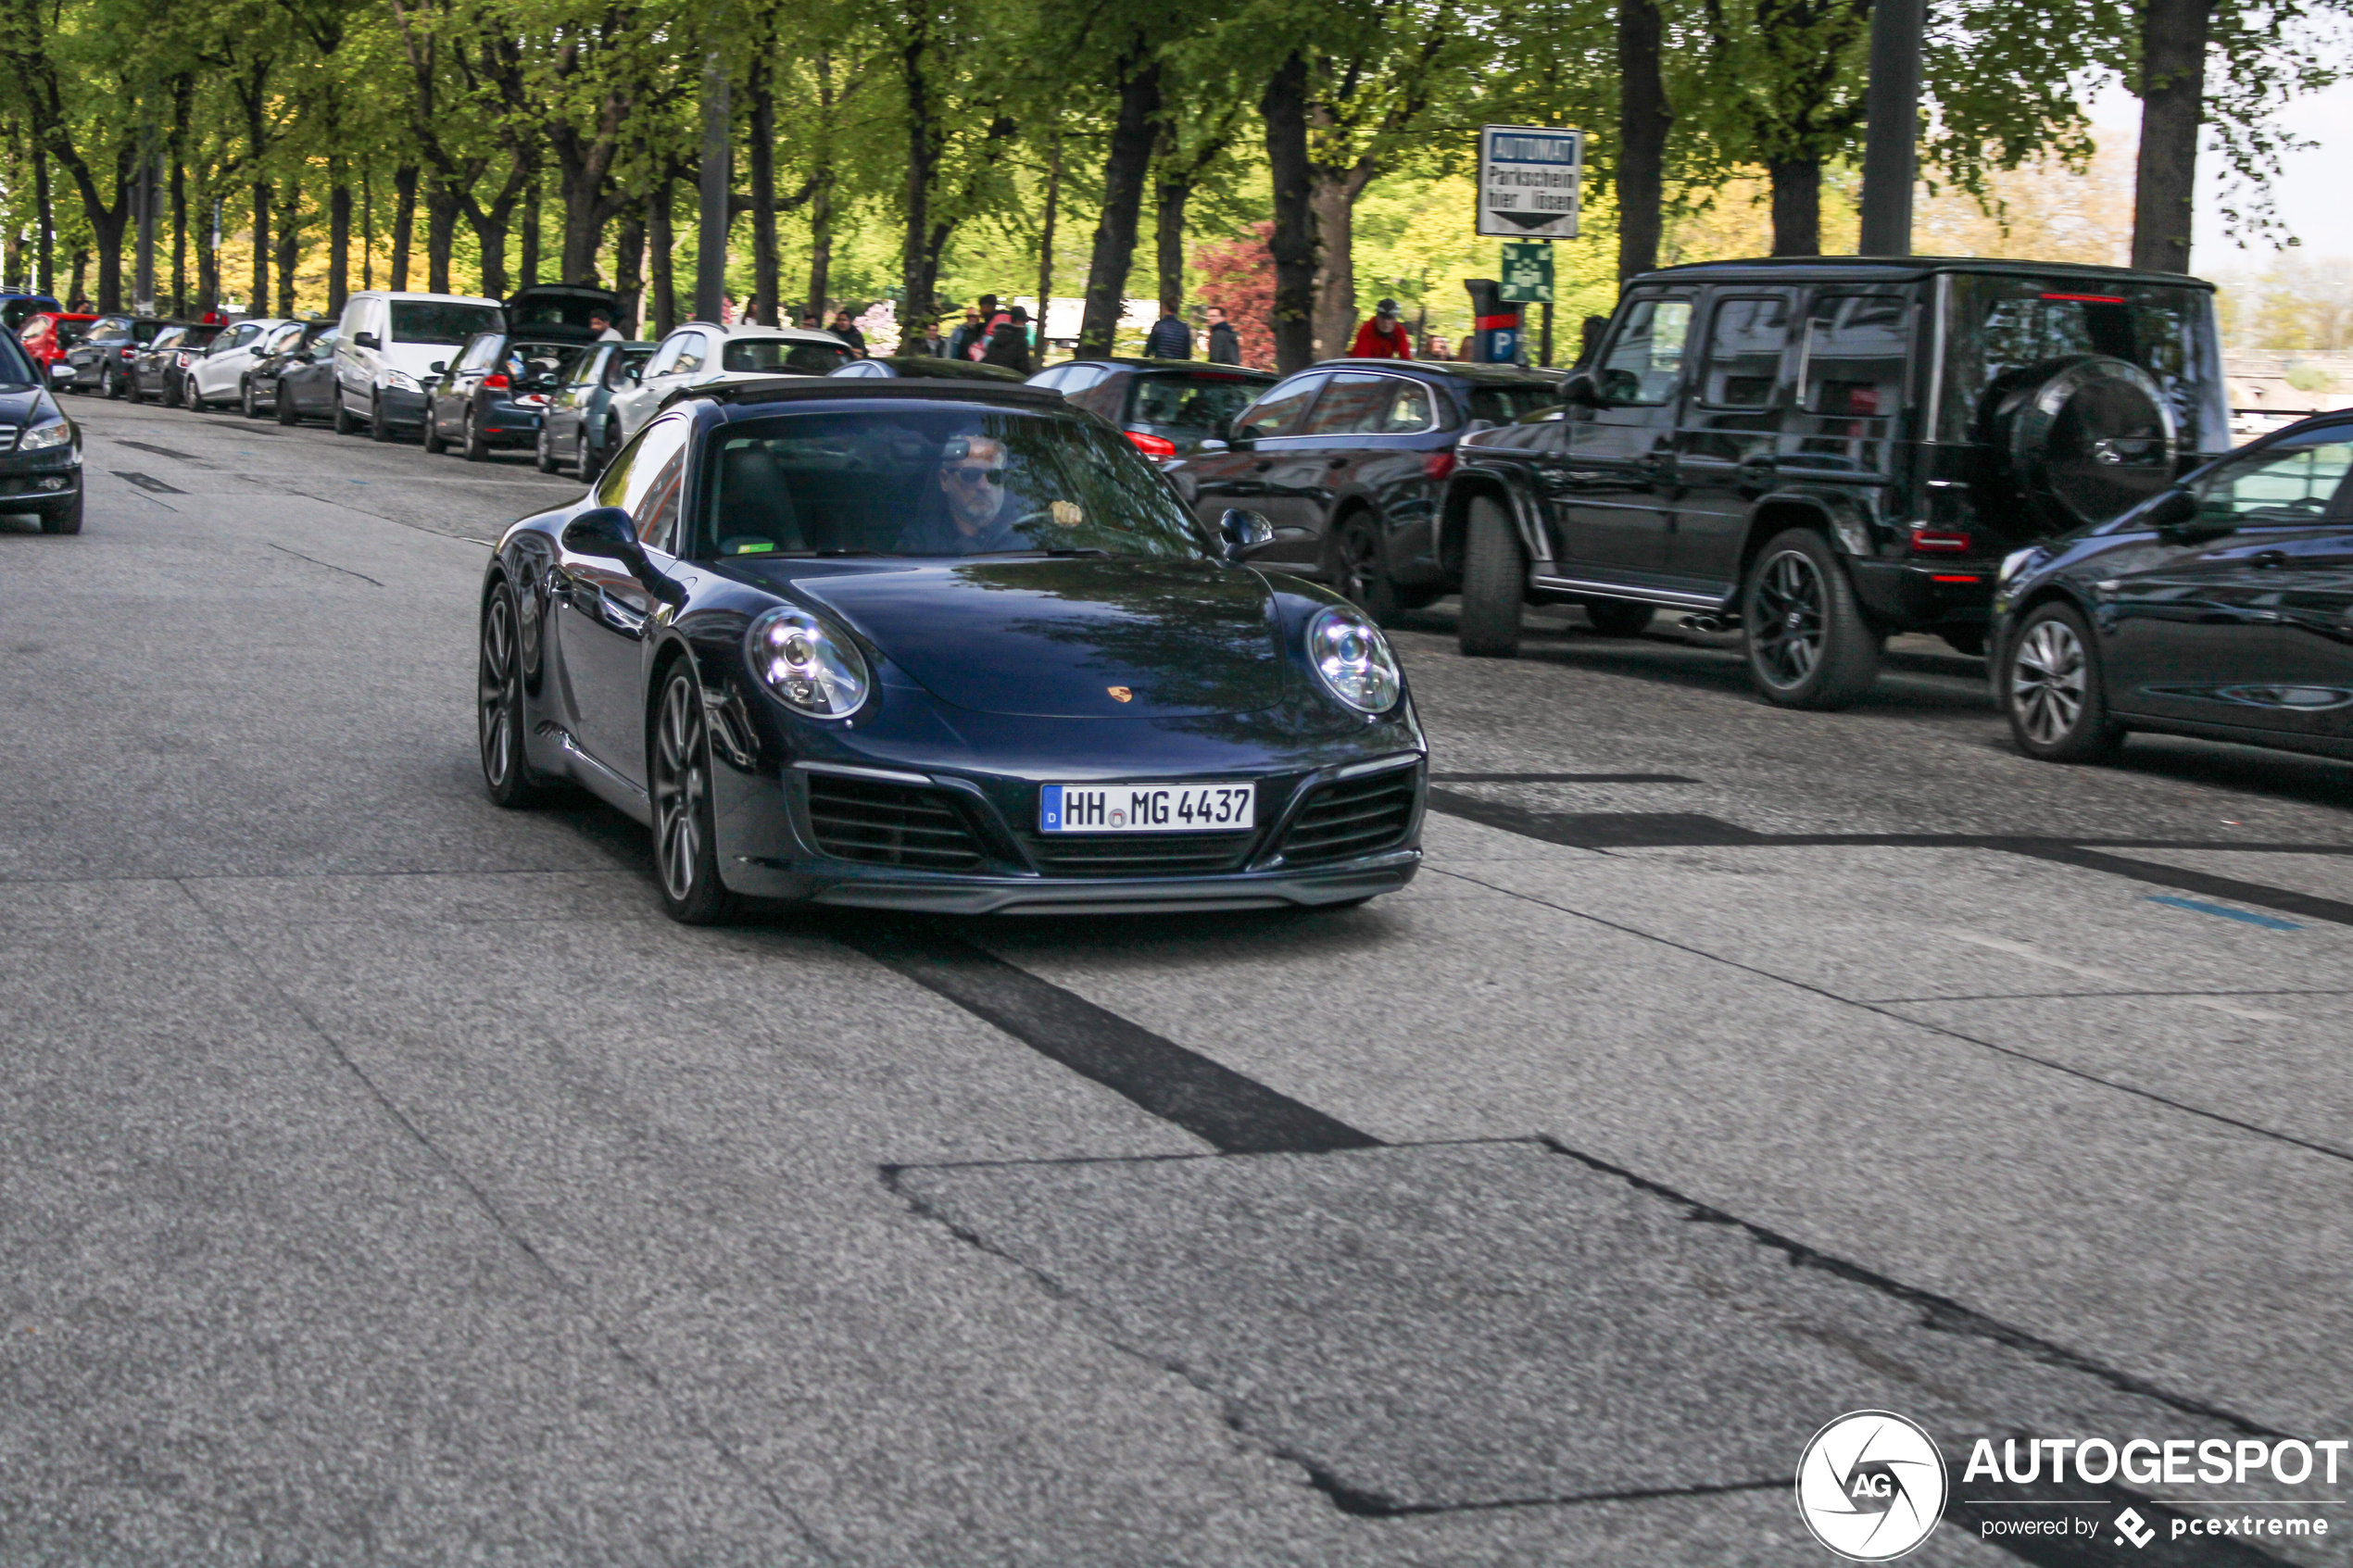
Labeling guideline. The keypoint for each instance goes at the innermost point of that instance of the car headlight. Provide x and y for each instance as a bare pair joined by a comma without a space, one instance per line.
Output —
1352,657
2014,562
399,382
812,668
40,438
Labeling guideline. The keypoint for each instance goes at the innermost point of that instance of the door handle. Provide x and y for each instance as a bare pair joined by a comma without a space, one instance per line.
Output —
618,616
1260,468
2269,559
1336,463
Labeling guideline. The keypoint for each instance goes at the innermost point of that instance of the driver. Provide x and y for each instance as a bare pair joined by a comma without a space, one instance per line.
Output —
972,514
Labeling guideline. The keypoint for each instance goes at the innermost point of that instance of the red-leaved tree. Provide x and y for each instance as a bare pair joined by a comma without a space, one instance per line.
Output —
1237,276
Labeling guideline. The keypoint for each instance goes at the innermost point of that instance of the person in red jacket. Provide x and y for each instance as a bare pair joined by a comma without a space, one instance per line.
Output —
1383,337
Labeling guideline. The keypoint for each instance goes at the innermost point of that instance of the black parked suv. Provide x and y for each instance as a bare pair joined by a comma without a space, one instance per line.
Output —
102,359
1348,460
1167,407
1825,450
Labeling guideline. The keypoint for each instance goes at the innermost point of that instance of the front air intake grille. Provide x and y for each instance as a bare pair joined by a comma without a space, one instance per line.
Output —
1141,854
889,825
1352,817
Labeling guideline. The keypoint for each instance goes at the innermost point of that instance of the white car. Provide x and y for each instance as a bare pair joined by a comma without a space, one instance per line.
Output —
390,347
701,354
220,376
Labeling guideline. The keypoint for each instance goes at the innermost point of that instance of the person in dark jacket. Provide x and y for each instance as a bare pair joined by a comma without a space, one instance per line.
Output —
925,340
1009,345
1225,344
969,331
1170,338
847,330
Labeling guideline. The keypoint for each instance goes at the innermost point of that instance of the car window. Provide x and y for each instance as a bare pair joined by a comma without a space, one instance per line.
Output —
784,356
1281,411
326,341
939,481
692,351
1203,403
656,513
667,355
1644,361
479,353
587,367
1509,405
168,338
1363,405
2289,483
1851,362
1744,343
639,465
617,368
442,320
282,339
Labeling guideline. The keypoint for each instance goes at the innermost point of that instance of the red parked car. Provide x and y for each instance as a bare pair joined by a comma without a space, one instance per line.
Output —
48,336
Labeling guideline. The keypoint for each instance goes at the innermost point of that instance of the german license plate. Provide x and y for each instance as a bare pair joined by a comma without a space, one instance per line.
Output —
1186,807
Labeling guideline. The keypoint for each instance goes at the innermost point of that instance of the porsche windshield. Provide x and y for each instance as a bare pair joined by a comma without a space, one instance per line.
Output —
935,482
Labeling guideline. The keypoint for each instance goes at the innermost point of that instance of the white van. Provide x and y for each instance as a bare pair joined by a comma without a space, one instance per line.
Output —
391,345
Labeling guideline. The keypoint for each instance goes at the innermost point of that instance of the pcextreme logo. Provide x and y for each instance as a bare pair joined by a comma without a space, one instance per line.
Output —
1870,1486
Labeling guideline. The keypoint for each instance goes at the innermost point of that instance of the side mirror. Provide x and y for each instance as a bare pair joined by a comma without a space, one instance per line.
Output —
2174,514
1580,390
607,534
437,366
1243,531
365,340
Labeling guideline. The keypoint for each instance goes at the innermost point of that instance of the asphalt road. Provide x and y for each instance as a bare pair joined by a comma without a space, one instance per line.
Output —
382,1179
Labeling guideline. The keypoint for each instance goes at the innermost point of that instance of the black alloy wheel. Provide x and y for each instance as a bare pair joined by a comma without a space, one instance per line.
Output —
345,423
543,457
686,843
1618,617
1360,572
130,392
379,425
476,449
284,405
109,384
247,404
506,768
432,428
583,462
2052,691
1809,645
1494,584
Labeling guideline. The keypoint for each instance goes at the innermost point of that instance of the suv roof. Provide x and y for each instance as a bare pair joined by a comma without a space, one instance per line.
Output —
1901,269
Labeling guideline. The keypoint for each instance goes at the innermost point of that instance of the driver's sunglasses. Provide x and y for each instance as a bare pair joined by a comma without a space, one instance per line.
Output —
965,474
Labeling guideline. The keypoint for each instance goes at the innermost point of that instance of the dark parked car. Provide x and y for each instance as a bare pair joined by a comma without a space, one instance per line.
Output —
924,367
102,359
580,427
40,448
1824,450
939,645
1349,459
495,392
296,378
1167,407
2222,606
17,308
161,367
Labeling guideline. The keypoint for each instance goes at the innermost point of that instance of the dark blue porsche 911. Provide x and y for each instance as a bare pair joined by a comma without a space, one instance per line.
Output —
940,646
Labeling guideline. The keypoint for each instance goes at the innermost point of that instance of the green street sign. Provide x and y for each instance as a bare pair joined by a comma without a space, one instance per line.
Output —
1528,272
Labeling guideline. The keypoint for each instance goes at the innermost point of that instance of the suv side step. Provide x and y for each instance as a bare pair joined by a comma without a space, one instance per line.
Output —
1672,599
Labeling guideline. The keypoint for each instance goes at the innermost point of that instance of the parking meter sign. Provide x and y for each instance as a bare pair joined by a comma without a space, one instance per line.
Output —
1528,182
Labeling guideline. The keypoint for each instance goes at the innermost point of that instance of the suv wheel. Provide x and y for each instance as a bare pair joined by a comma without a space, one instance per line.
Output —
1494,584
1358,572
1617,618
2052,693
1809,644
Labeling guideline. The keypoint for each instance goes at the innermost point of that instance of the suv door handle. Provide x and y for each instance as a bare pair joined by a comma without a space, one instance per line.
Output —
1260,466
2268,558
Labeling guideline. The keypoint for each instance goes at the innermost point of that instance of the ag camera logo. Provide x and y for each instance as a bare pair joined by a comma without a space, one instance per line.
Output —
1870,1486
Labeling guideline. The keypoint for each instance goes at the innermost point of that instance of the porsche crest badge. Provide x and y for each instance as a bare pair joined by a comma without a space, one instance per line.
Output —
1120,694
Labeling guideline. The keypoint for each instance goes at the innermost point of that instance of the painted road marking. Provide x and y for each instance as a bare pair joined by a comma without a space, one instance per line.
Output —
2035,955
2266,921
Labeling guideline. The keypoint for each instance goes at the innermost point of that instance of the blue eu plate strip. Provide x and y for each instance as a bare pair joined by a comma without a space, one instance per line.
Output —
2266,921
1050,808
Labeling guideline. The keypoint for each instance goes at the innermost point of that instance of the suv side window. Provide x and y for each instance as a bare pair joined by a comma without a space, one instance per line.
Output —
1281,411
1370,405
1744,345
1856,351
1644,360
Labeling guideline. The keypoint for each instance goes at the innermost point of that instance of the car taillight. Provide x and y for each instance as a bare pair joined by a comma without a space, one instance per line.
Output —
1158,448
128,350
1438,465
495,383
1941,542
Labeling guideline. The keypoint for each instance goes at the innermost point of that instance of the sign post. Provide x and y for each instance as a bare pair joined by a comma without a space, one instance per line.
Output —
1530,181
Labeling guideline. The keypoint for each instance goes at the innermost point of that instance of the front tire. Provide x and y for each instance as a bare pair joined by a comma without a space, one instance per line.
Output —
686,844
247,404
345,423
476,449
109,383
64,519
433,444
379,427
505,767
1809,645
2052,691
1360,572
283,405
543,457
1494,584
130,393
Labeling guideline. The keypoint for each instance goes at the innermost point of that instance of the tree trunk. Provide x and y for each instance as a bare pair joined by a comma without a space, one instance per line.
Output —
404,220
2173,36
261,302
657,252
442,203
1125,169
582,183
763,194
923,160
490,239
80,275
1292,244
530,267
821,242
289,247
1644,117
44,215
1333,199
1168,241
628,270
338,233
208,263
179,235
1046,242
1797,207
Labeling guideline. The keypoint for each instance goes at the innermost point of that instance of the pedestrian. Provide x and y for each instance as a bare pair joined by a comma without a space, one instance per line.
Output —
926,342
967,332
1225,344
1008,342
1383,337
847,330
1170,338
990,317
601,325
1436,349
810,322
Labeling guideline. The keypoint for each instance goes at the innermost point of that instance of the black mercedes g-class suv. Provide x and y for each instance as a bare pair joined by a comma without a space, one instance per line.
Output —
1823,450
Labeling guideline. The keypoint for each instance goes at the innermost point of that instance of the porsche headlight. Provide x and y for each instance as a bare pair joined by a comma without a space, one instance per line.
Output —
56,432
812,668
1352,657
